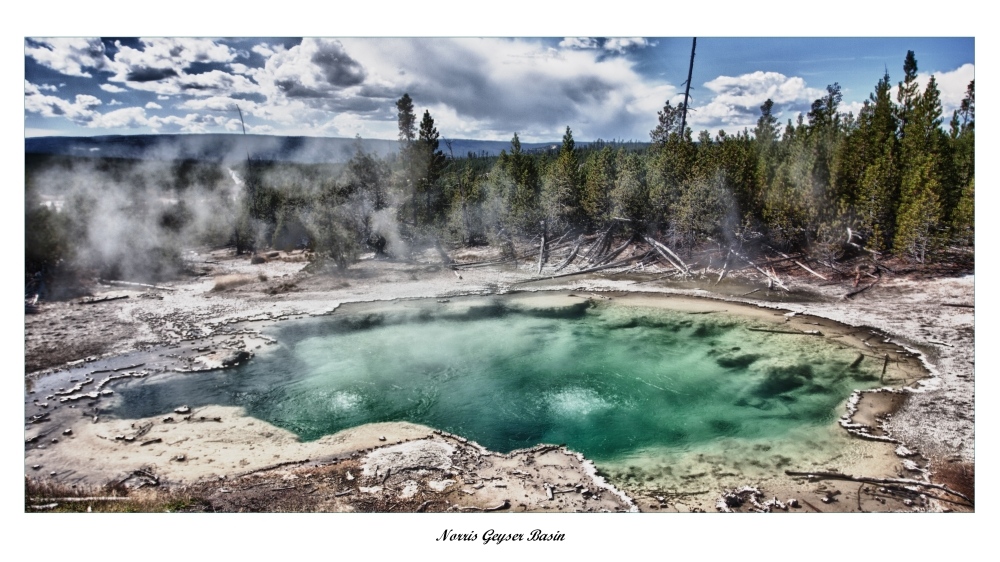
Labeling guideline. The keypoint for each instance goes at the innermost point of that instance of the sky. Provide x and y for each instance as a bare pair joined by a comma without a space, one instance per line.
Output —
487,88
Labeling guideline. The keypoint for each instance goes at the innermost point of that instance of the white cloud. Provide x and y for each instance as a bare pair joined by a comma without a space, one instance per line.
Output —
69,55
112,88
579,43
512,85
264,50
750,91
114,102
125,118
952,85
162,97
48,87
622,44
172,52
80,110
153,105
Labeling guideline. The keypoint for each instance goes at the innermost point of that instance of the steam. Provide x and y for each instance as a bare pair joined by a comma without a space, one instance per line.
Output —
133,219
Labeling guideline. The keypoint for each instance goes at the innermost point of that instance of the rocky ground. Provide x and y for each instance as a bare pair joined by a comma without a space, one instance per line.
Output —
74,351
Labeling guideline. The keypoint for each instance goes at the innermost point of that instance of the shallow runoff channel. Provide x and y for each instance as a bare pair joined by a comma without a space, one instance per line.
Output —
660,392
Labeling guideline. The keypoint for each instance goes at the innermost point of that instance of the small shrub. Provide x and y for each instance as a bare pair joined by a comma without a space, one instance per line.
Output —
226,282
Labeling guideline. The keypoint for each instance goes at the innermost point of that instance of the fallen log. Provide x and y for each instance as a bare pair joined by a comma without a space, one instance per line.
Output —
869,480
852,294
102,299
572,255
796,262
725,267
86,499
614,253
580,272
664,251
590,255
771,277
792,332
958,305
131,284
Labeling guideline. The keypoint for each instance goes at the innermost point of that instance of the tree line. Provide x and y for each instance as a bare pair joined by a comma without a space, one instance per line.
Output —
891,181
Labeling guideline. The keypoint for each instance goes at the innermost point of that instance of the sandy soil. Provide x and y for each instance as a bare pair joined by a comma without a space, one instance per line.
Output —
75,351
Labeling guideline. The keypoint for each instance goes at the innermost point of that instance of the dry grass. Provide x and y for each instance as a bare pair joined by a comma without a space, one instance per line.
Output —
46,496
226,282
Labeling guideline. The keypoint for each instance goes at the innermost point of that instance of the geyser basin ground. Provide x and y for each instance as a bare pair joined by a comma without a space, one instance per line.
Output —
658,391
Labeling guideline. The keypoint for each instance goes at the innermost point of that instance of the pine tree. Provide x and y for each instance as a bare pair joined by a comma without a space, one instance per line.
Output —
599,176
668,123
429,163
561,189
629,198
407,174
922,163
963,143
522,197
868,176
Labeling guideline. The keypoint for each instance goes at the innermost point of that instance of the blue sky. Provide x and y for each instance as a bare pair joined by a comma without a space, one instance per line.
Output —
474,87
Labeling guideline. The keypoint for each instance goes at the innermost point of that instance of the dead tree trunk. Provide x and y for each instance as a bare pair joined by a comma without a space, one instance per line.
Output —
668,255
572,254
541,249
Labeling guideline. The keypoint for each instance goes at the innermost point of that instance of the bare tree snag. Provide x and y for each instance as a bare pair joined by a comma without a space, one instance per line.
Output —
541,249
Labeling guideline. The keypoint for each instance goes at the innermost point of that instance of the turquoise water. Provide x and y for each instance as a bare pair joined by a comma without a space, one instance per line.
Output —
607,380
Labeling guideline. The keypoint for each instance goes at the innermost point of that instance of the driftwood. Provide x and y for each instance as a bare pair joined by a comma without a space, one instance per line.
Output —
597,246
792,332
580,272
668,255
614,253
725,267
771,277
796,262
882,481
958,305
572,255
102,299
131,284
86,499
852,294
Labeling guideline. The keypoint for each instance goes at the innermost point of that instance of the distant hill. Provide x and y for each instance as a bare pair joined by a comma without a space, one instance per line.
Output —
223,148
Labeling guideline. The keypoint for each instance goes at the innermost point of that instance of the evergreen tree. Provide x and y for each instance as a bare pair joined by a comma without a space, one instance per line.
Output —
668,123
522,198
877,145
963,149
629,198
561,189
407,173
921,187
406,120
599,177
429,163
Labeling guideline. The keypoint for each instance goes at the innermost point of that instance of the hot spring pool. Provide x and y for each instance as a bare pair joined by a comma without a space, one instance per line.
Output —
610,379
